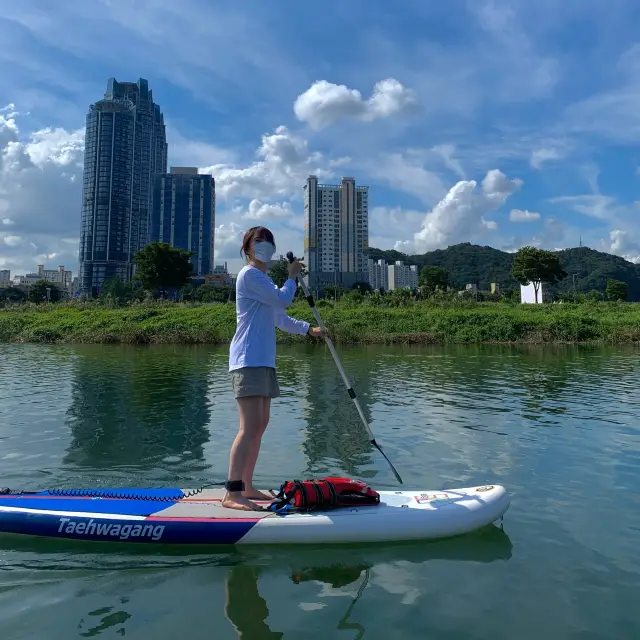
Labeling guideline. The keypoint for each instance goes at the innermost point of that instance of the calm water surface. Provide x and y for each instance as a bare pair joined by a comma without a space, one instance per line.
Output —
560,427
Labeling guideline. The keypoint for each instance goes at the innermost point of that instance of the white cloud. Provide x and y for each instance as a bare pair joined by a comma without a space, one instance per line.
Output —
540,156
259,210
8,125
446,152
590,173
323,102
340,162
405,172
55,145
450,216
623,245
497,187
459,216
593,205
228,241
283,166
39,188
519,215
388,225
12,241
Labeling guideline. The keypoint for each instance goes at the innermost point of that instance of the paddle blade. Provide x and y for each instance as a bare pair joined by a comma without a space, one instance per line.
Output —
384,455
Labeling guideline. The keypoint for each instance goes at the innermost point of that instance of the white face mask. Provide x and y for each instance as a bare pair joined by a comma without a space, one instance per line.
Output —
263,251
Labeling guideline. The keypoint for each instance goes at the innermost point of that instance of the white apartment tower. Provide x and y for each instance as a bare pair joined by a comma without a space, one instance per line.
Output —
401,276
336,232
378,275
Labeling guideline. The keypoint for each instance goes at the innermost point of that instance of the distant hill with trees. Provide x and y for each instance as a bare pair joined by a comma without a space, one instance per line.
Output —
587,269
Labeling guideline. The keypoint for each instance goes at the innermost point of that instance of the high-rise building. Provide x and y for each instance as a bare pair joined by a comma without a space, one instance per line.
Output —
60,276
336,232
5,275
184,210
125,146
378,274
401,276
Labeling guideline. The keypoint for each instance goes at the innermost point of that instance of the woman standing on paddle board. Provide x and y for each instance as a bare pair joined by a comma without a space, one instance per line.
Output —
260,308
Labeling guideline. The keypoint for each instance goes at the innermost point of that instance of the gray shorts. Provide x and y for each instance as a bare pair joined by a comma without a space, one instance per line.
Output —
255,381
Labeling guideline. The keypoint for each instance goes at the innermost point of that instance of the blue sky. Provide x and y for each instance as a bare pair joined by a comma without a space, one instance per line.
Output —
499,123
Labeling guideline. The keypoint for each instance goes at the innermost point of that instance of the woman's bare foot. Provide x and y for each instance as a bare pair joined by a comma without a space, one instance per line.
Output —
236,500
254,494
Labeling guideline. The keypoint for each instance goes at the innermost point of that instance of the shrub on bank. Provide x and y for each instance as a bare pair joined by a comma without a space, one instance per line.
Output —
366,321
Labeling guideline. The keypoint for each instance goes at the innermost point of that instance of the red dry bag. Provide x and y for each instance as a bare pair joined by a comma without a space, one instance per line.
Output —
326,493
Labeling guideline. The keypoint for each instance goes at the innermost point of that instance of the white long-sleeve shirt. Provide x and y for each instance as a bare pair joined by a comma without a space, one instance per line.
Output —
260,308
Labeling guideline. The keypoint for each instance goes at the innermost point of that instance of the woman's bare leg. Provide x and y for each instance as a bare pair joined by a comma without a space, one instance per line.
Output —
247,441
250,491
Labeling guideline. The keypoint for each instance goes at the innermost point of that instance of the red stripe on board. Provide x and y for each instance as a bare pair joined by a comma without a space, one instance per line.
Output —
4,497
212,519
62,497
219,500
114,498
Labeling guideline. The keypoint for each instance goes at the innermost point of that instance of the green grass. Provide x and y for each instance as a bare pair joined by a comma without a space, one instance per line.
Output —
417,322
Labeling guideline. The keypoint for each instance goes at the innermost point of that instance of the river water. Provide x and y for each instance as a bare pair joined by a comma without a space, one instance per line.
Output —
558,426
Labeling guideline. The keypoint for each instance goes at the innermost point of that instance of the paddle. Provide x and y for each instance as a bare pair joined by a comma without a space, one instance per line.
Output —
350,391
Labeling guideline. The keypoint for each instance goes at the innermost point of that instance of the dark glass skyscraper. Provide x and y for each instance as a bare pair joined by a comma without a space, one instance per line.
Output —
184,212
125,146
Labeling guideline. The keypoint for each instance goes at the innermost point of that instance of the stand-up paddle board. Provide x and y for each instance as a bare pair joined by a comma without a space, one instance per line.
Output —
180,516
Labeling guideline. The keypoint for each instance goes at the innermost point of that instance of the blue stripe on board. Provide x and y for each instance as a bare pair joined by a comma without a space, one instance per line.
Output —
95,505
149,531
169,493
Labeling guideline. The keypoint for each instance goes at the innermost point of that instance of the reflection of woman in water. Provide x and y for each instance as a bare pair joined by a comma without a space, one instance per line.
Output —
260,308
247,610
339,566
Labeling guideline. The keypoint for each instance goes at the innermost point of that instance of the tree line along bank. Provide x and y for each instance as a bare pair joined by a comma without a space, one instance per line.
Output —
165,272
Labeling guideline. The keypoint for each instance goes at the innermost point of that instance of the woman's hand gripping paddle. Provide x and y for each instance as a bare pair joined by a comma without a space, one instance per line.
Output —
350,391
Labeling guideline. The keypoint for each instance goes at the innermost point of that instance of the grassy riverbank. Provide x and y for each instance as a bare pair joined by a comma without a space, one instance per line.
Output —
419,322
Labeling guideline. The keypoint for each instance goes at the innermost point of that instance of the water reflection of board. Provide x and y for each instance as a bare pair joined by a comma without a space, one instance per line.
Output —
177,516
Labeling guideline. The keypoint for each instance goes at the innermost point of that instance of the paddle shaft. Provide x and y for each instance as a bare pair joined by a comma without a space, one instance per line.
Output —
350,391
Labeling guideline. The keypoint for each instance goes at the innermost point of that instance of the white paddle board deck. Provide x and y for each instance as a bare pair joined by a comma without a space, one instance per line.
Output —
177,516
